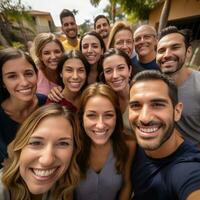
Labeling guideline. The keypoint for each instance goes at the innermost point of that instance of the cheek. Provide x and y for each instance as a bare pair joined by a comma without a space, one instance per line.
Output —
66,156
84,51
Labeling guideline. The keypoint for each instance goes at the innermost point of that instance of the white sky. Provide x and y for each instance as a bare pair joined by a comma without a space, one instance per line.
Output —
85,9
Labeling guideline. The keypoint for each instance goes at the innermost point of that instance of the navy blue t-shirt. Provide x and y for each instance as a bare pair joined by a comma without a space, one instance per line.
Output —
150,65
170,178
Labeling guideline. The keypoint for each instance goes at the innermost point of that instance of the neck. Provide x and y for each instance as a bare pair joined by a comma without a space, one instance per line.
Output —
50,74
97,147
105,41
182,75
36,196
147,58
72,41
123,98
69,95
167,148
19,105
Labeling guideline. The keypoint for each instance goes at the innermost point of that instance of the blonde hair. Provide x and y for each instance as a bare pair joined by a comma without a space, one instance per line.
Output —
39,43
11,176
118,26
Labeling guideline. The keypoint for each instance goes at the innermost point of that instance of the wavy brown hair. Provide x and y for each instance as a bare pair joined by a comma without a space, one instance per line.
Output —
11,176
118,141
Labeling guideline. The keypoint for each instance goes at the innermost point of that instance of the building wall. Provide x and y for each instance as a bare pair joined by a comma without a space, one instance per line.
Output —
179,9
42,24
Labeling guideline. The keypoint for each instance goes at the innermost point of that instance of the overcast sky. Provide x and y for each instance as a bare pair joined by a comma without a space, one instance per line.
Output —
85,9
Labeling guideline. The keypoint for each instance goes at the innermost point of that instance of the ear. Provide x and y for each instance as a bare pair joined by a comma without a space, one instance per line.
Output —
61,75
189,52
177,111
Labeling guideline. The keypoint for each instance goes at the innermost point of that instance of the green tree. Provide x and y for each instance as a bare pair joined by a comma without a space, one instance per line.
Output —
14,12
140,8
84,27
112,3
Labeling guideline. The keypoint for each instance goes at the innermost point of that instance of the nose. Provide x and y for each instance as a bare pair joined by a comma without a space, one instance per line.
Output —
167,53
75,75
47,156
89,48
23,80
145,115
100,123
115,73
53,55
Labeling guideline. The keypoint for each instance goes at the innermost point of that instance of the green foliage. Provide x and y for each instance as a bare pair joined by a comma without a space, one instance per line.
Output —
85,27
18,45
119,15
140,8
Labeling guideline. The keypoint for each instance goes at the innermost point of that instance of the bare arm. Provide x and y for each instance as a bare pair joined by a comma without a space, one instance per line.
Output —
126,190
194,195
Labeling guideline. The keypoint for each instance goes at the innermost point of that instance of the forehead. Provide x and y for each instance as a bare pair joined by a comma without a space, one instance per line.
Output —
50,45
74,62
149,90
99,103
114,60
143,30
68,19
19,63
101,21
53,127
90,39
171,39
123,34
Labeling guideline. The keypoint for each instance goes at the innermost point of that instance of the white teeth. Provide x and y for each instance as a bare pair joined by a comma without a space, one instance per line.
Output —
99,132
25,90
117,82
148,130
42,172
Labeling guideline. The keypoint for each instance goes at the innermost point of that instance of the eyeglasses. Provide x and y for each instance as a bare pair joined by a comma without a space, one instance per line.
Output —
144,37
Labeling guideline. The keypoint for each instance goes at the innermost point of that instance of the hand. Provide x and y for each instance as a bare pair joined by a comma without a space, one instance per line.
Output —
55,94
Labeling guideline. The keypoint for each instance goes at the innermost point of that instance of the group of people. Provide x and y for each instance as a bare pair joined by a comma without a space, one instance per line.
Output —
111,115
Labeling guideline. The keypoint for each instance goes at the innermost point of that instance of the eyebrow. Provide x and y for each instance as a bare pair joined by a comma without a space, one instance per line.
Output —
41,138
92,111
153,100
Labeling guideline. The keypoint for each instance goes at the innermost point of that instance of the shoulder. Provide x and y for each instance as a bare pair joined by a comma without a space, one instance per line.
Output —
184,175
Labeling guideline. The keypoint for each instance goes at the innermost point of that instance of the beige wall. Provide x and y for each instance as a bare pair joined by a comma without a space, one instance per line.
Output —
179,9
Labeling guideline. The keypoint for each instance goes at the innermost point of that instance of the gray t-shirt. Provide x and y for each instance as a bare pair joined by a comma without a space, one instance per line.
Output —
100,186
189,95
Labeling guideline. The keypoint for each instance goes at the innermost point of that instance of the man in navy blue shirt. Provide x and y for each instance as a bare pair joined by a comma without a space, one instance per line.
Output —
165,167
145,41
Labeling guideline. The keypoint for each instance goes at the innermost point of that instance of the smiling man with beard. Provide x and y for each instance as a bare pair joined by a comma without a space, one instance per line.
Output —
69,27
165,165
173,51
102,26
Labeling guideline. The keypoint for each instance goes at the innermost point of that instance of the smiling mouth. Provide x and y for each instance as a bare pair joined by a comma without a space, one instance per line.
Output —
149,131
100,133
44,173
25,91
